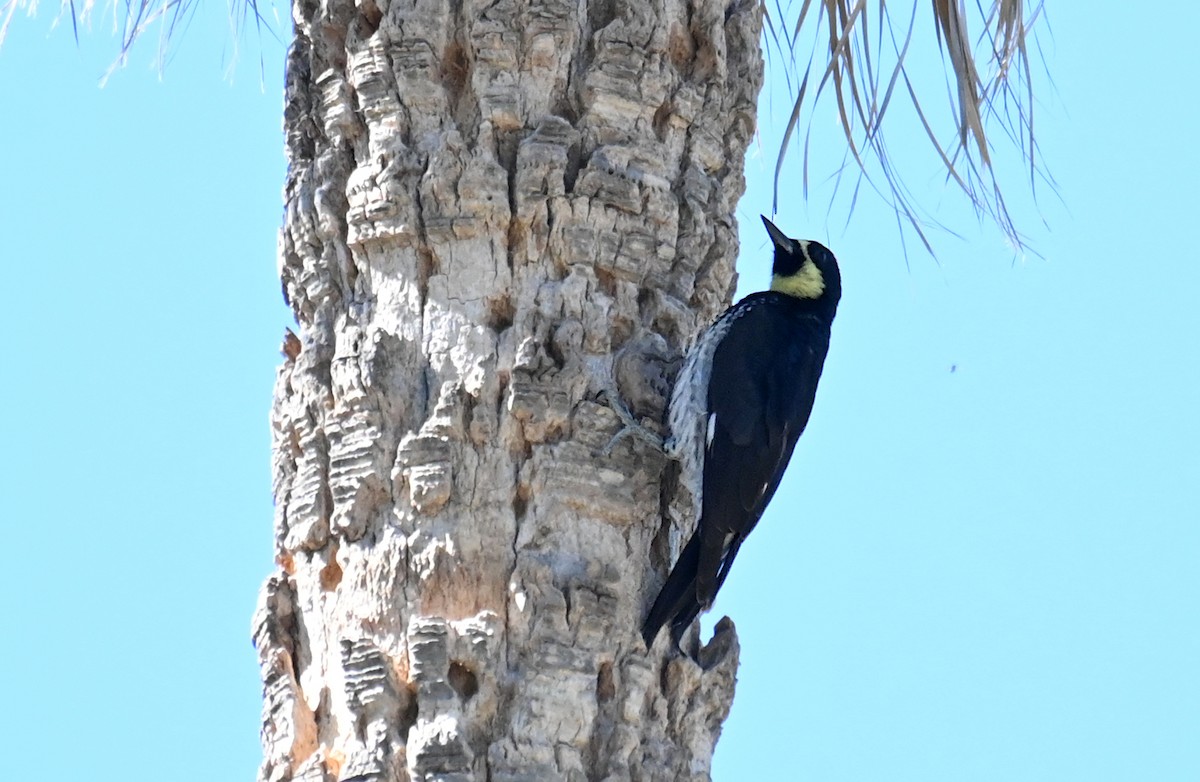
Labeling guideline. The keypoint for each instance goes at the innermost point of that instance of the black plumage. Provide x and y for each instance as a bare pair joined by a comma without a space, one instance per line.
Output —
740,403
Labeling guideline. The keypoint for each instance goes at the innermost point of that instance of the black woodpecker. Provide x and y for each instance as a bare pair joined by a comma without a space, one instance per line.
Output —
742,399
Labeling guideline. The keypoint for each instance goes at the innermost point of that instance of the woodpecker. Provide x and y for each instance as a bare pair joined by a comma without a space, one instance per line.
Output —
742,399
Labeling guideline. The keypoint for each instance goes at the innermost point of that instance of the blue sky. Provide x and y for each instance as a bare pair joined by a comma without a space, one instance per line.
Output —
982,564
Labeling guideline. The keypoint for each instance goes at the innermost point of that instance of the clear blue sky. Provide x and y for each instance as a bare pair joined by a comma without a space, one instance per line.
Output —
984,563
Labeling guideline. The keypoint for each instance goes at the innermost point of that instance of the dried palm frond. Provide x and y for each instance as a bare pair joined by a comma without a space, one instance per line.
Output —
132,18
849,64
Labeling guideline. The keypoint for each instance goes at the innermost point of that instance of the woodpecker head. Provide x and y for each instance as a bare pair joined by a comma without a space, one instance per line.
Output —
804,269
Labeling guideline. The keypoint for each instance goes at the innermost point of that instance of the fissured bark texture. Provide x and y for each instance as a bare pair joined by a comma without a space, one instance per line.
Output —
495,213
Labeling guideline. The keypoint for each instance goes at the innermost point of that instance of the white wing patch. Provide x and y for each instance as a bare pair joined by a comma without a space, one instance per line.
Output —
692,427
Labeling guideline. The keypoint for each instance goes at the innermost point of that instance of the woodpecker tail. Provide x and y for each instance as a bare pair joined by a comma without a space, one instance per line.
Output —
676,602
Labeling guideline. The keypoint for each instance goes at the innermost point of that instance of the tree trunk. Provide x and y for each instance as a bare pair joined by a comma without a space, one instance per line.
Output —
495,210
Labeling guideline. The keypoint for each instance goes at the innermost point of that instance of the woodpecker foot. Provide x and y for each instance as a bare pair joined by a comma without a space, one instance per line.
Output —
629,425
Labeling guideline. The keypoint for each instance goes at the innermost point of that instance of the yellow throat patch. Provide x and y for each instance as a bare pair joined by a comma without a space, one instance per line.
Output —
806,283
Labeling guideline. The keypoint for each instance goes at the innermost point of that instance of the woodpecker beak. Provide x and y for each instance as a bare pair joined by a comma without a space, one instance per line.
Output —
778,238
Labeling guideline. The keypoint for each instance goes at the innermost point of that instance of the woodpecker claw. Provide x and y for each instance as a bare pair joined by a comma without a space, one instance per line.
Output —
629,425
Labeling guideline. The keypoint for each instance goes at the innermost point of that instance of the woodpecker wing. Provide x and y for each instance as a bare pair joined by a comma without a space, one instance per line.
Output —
763,383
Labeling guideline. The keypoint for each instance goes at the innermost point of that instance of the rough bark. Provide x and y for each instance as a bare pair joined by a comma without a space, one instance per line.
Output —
495,210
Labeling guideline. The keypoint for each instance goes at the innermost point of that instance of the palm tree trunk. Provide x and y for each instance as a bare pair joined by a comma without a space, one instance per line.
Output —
494,212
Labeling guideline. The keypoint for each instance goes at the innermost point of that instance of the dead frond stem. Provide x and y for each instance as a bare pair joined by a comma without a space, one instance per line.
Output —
132,18
854,72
